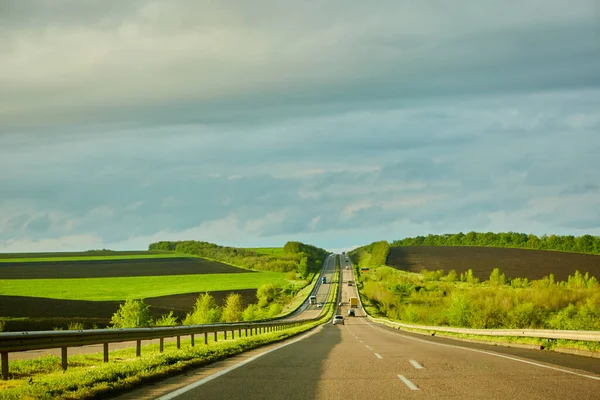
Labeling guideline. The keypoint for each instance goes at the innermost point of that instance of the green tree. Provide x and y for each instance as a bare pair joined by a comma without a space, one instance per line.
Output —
232,311
267,293
132,314
303,267
497,278
206,311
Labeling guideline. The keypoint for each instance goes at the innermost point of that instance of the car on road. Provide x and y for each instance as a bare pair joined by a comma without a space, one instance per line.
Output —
319,305
338,319
351,313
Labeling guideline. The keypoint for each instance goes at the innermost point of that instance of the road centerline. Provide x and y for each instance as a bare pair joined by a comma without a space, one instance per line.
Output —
378,356
416,364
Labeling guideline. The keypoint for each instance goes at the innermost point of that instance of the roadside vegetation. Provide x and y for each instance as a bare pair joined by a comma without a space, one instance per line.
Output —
575,244
462,300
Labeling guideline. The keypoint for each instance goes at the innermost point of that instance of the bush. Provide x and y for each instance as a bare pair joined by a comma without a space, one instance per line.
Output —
167,320
206,311
132,314
232,312
75,326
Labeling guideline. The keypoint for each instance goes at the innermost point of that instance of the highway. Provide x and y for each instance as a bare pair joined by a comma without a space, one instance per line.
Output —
362,360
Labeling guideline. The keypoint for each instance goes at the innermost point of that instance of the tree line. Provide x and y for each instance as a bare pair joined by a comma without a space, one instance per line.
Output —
299,257
576,244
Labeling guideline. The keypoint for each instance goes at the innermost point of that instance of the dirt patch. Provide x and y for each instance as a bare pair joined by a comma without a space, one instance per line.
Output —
46,314
532,264
115,268
78,254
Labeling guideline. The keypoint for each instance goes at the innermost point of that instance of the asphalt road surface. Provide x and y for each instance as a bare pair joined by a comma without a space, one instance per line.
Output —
362,360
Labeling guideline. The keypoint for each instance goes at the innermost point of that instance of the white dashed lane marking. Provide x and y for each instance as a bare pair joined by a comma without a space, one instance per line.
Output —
408,383
416,364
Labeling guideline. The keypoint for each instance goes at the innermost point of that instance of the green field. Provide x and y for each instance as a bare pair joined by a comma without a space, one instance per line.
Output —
86,257
99,289
278,251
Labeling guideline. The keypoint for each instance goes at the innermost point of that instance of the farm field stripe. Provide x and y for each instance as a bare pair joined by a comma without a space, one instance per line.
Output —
121,288
91,258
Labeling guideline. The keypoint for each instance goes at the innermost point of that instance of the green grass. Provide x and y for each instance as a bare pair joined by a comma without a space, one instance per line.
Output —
84,257
141,287
277,251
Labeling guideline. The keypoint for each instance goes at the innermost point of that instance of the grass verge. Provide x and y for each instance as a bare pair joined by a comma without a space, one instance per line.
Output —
542,344
122,288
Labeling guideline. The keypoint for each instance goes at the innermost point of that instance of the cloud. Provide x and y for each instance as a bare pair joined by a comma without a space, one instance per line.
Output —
253,124
148,63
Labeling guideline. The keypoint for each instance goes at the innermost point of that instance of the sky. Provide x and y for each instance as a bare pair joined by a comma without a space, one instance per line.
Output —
335,123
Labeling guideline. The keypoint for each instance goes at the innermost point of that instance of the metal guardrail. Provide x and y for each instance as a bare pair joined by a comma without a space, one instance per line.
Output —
590,336
25,341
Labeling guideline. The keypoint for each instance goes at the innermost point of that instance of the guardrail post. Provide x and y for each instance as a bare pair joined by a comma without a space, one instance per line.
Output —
178,342
192,339
63,356
138,348
161,345
240,333
105,348
225,334
4,357
246,332
215,336
205,337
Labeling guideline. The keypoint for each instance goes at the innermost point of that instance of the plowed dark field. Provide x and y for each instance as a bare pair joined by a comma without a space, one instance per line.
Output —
114,268
45,314
515,263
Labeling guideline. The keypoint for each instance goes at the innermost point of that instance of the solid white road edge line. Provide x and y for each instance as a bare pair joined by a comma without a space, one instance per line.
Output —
378,356
209,378
597,378
416,364
408,383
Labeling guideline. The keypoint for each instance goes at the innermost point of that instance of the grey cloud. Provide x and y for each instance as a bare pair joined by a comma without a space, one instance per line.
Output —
581,189
271,63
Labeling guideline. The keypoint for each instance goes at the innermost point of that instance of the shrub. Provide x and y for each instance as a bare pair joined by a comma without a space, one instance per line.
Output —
75,326
132,314
167,320
206,311
232,311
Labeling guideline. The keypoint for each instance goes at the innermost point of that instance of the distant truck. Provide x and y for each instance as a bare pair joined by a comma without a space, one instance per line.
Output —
323,280
353,302
313,299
